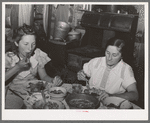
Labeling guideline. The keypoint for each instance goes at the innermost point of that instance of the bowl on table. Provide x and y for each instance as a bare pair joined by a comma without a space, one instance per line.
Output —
57,93
82,101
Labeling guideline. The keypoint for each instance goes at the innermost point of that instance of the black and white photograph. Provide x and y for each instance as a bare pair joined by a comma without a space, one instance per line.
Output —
75,61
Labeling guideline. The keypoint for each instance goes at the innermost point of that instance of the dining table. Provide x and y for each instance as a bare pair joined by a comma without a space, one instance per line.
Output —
67,86
101,105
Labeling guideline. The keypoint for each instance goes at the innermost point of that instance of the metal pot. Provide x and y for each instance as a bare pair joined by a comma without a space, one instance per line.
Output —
61,30
73,35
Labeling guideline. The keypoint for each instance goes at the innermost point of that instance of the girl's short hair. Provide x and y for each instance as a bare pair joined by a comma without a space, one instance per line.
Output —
19,33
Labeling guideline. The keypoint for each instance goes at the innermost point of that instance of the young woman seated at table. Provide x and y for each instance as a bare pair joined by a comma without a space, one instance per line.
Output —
110,74
26,61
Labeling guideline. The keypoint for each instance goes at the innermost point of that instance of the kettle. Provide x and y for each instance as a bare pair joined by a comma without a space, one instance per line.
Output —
73,35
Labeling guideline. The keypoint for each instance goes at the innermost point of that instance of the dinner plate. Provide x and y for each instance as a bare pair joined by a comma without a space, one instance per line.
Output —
30,100
37,97
117,102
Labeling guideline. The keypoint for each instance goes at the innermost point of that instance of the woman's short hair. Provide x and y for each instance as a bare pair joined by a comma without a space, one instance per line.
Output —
116,42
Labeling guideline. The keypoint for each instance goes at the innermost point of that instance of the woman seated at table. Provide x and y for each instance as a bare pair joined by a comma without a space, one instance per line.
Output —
110,74
26,61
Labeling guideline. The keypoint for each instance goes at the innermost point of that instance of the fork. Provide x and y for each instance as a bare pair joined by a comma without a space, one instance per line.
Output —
43,95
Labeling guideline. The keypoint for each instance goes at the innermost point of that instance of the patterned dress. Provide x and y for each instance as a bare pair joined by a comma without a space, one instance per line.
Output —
21,80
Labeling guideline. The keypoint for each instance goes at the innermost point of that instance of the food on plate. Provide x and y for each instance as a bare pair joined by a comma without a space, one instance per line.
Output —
92,91
57,92
36,87
51,105
117,103
34,101
112,106
81,103
86,91
76,88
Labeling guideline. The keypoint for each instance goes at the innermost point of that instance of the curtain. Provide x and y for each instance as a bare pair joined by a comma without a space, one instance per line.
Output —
45,17
14,16
26,14
62,13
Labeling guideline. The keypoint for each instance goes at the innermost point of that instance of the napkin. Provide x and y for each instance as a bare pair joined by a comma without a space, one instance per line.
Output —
40,58
40,53
33,63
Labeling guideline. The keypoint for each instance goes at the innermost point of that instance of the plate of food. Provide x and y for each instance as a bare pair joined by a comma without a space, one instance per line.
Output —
77,88
117,103
38,86
54,104
92,91
74,88
36,101
28,87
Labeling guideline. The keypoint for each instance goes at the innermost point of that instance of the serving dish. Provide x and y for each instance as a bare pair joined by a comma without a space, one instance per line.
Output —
82,101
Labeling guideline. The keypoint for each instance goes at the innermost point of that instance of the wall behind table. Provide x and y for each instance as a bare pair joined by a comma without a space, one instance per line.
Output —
139,40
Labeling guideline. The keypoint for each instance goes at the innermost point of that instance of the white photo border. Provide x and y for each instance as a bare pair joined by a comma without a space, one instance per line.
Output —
108,115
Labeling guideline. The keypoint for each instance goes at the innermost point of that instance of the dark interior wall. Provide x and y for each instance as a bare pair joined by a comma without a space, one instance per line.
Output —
12,12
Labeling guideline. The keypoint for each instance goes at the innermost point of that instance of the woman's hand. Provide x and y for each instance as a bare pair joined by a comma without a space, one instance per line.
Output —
23,64
81,76
103,95
57,81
